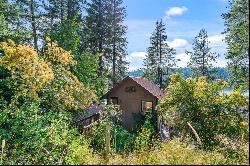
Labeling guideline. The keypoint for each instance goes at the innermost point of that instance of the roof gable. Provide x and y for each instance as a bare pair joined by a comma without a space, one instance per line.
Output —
144,83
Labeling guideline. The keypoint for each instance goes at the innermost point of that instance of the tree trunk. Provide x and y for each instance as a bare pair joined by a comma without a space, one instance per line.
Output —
161,86
61,11
33,23
167,75
203,65
100,41
114,46
70,9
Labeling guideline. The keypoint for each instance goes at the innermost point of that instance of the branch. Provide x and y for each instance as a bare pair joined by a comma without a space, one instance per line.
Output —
195,133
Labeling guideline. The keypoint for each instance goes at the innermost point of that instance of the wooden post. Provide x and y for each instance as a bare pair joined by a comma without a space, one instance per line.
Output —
3,145
115,139
107,143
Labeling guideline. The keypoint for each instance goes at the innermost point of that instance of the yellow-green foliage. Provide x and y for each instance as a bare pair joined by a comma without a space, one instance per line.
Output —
174,153
66,88
79,153
58,56
26,67
50,74
203,104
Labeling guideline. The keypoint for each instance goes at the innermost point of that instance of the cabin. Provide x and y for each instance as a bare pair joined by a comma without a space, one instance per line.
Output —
92,114
134,96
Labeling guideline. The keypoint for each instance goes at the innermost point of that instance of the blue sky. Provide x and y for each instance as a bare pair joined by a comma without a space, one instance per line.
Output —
184,19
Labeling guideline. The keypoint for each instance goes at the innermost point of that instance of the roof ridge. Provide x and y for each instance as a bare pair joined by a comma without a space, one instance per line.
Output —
150,87
144,83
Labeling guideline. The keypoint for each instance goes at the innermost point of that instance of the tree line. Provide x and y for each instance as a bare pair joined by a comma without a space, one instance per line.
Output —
161,59
92,30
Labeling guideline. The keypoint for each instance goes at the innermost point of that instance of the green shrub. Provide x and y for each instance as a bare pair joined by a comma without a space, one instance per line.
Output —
175,152
206,108
36,136
121,140
146,138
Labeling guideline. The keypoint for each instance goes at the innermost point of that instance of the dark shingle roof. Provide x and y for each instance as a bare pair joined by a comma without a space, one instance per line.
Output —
151,88
92,110
144,83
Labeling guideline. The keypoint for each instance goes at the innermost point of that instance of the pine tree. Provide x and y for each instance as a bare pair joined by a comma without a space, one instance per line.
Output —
118,41
11,26
201,57
237,38
65,22
96,22
160,58
107,36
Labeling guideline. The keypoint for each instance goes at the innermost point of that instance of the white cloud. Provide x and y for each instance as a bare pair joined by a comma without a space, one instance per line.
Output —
184,59
136,55
177,43
135,60
216,39
176,11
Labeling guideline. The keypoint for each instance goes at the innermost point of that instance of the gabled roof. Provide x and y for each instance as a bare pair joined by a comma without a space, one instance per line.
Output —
92,110
144,83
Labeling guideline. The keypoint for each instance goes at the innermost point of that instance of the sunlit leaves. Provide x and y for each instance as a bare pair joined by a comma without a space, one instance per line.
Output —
26,66
204,104
50,75
58,56
66,89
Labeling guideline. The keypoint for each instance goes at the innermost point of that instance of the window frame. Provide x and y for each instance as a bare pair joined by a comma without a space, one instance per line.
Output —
143,111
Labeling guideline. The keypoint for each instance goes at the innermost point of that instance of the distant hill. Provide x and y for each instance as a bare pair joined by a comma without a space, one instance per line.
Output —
135,73
221,73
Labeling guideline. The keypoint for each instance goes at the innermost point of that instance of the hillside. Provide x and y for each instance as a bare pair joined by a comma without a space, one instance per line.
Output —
221,73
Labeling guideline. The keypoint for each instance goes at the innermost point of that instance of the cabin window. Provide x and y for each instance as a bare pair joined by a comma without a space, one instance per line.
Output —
114,100
130,89
147,106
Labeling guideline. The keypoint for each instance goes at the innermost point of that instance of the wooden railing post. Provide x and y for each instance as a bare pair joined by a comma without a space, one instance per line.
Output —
107,143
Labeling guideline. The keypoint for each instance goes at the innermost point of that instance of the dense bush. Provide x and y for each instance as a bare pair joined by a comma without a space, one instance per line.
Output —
146,137
35,136
37,94
121,140
175,152
48,79
209,111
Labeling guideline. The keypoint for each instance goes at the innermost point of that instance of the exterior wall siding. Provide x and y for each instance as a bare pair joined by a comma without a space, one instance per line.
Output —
130,102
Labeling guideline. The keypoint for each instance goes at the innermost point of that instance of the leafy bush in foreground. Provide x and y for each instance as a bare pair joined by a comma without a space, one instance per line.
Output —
206,108
175,152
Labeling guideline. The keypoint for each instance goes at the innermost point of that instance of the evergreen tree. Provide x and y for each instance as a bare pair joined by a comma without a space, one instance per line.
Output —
201,57
33,18
160,58
118,41
11,26
237,38
67,27
107,36
96,22
64,23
